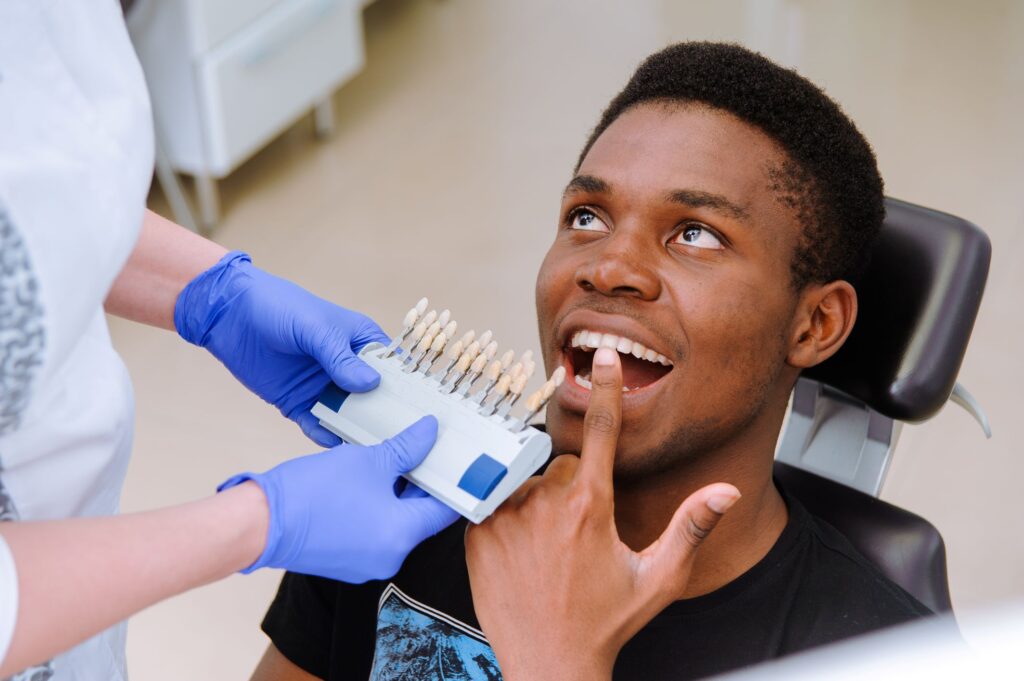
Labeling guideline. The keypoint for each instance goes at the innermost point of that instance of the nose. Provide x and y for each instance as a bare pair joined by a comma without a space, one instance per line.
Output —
621,267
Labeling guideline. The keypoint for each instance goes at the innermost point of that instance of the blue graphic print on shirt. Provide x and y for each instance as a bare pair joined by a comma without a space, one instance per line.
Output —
415,641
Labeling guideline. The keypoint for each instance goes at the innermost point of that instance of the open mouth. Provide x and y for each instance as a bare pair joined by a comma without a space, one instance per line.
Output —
641,366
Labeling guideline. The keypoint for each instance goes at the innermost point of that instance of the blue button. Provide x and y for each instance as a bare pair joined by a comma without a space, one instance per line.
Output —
332,397
482,476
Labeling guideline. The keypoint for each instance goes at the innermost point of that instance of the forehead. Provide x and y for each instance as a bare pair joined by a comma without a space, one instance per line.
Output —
659,146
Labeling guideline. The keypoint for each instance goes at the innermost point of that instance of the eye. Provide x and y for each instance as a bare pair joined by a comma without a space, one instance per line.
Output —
586,220
699,236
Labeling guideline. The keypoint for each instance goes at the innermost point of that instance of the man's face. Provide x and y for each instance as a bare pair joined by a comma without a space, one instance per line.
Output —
671,236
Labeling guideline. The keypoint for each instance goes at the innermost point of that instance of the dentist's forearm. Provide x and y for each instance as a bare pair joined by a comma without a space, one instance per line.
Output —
165,259
80,576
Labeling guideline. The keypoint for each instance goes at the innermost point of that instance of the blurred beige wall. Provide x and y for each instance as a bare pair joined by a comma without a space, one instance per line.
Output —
443,179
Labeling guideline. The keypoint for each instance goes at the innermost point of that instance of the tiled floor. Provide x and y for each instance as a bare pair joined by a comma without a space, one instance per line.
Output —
443,179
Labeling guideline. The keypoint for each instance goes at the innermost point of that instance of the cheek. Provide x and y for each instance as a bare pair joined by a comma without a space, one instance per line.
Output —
735,337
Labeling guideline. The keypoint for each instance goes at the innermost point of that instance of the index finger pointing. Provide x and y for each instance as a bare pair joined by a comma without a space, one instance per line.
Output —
603,420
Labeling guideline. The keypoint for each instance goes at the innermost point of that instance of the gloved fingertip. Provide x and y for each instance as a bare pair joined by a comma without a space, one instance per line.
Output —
408,449
357,377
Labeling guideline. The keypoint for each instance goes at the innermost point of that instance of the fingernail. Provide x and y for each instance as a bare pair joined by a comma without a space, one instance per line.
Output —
604,357
720,503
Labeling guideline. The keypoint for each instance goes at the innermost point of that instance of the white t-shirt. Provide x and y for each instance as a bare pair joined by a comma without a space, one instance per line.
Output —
76,157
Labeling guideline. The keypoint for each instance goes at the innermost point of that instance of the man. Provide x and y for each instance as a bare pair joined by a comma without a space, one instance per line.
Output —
715,219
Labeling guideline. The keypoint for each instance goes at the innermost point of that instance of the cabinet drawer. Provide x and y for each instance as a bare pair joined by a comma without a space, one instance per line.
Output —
262,79
215,20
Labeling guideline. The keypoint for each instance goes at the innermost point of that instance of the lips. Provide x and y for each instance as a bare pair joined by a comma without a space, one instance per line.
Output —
642,366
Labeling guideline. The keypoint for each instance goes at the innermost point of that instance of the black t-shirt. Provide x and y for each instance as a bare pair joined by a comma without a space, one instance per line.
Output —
811,588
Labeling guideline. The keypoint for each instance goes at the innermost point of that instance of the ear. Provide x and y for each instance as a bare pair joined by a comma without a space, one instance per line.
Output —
824,318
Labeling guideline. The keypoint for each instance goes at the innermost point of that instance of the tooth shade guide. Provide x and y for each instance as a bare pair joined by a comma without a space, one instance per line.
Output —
430,317
490,350
444,317
449,329
485,338
421,305
514,370
468,338
494,370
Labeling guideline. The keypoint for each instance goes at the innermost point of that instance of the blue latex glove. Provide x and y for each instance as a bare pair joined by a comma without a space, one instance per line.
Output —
336,514
279,340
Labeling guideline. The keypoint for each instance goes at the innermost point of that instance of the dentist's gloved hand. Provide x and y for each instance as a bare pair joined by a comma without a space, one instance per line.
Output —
336,514
279,340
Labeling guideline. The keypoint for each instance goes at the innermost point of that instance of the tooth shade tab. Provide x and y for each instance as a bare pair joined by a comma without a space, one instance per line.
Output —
514,370
485,338
444,317
449,328
463,364
418,331
478,364
490,350
421,306
558,376
468,337
517,386
455,351
528,369
506,359
533,402
493,371
430,318
504,383
439,341
526,357
473,350
410,318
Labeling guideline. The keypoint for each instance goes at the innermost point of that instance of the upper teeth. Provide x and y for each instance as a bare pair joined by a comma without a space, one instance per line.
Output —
592,340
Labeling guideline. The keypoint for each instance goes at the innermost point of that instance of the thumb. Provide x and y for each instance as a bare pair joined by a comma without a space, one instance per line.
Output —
350,373
692,522
407,450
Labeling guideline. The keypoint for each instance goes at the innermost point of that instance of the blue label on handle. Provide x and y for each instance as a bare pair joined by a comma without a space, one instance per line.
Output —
482,476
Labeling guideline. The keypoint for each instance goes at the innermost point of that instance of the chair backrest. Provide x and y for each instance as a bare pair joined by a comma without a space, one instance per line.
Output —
918,300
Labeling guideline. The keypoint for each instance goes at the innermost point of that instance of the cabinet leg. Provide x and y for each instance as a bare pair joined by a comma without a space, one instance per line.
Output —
323,117
209,202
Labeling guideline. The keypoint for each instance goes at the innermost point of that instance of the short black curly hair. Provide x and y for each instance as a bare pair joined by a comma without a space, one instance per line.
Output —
831,178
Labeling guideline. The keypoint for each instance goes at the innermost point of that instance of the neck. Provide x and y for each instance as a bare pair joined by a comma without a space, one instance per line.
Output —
746,533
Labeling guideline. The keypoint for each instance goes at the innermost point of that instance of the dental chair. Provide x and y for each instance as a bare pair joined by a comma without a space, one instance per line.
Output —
918,301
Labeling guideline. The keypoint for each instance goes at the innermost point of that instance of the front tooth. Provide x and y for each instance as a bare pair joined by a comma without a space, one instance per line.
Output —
625,345
638,350
609,341
649,355
625,389
662,359
576,339
583,382
593,340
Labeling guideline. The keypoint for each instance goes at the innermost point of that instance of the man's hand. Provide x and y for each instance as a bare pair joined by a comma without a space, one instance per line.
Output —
279,340
556,591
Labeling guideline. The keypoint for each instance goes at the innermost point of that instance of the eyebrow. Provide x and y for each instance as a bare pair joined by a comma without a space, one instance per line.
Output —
587,183
694,198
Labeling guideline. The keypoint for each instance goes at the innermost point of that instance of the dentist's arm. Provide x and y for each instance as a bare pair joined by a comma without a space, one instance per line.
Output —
325,514
282,342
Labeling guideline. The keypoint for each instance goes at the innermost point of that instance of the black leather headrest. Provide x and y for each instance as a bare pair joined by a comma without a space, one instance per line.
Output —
917,300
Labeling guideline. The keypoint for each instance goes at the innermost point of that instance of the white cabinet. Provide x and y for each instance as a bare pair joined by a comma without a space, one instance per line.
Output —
227,76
